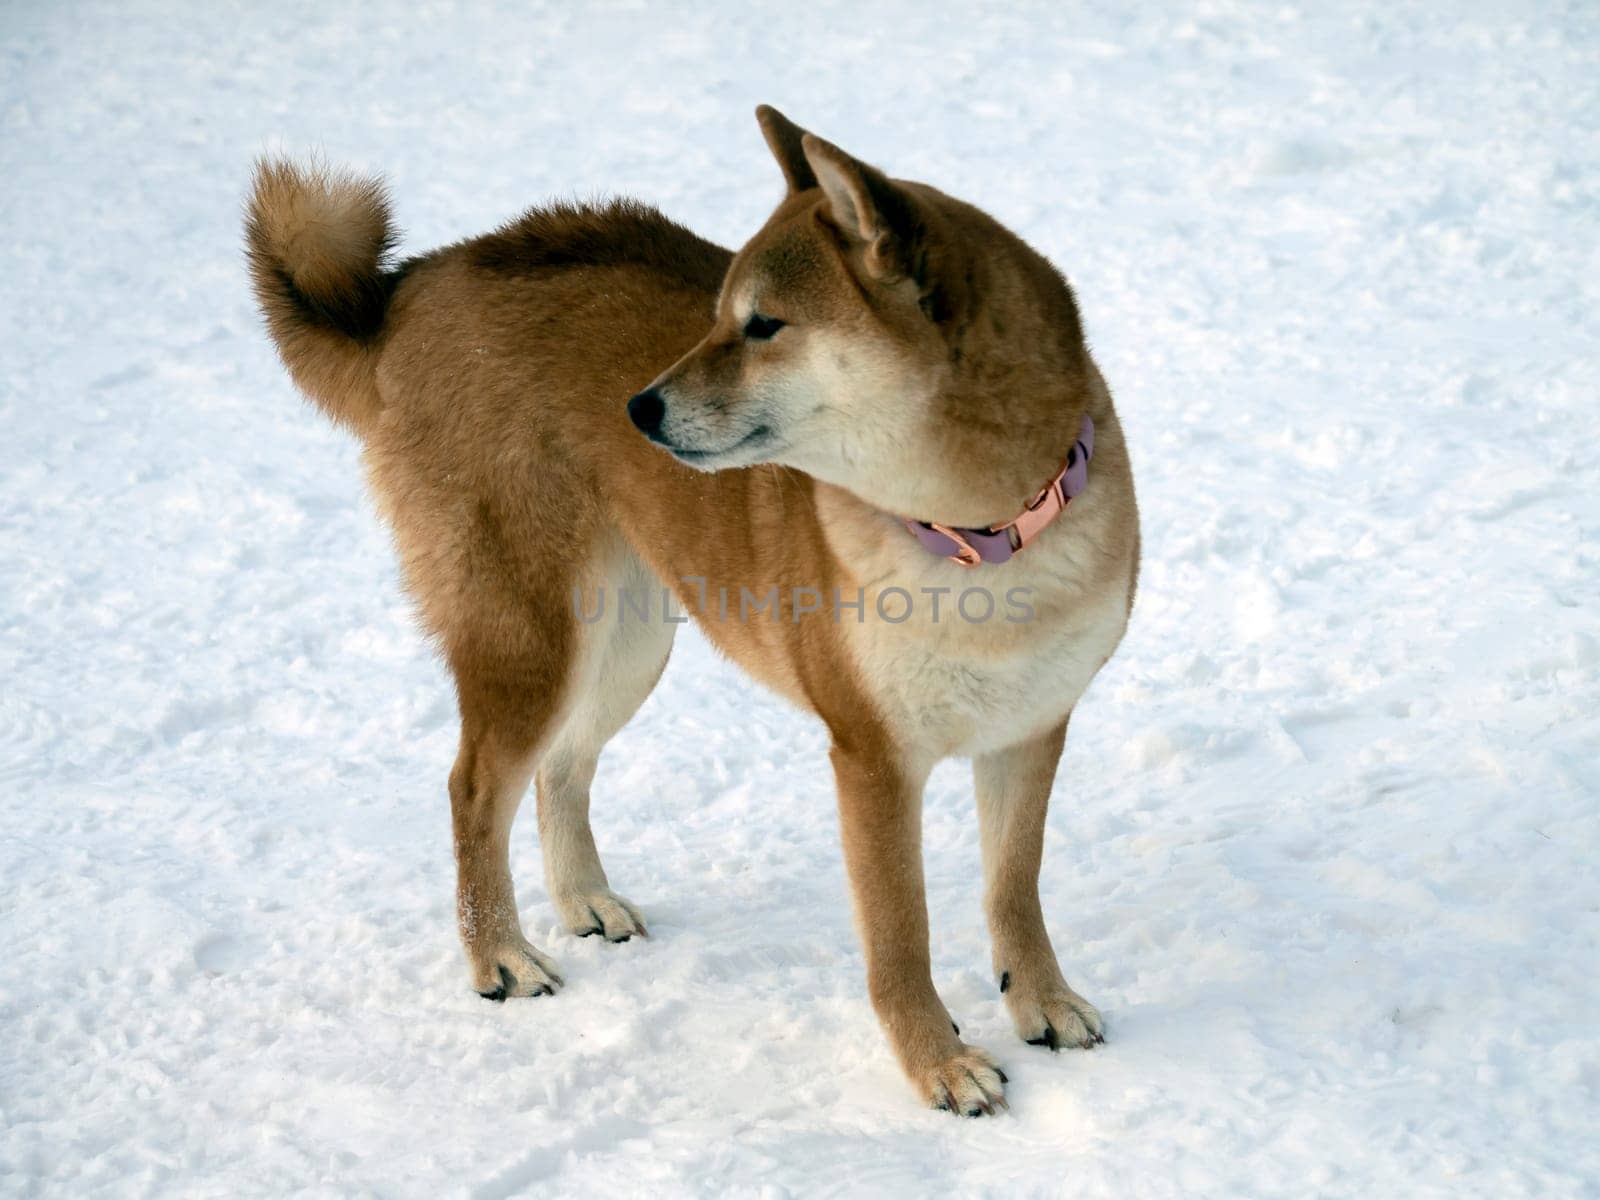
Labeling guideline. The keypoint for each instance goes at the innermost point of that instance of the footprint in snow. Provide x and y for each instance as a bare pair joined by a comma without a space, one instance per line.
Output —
220,954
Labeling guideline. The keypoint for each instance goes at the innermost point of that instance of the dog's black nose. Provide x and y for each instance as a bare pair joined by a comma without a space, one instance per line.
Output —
646,411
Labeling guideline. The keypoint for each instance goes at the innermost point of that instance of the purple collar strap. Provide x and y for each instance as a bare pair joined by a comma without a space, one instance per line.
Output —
998,543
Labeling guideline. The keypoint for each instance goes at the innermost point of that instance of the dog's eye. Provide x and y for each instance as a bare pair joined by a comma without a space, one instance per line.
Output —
759,328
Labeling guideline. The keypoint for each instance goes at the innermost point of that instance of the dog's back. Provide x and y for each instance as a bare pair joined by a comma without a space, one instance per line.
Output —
483,378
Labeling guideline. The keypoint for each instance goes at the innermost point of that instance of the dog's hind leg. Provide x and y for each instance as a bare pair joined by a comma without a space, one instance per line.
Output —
1013,787
623,650
506,711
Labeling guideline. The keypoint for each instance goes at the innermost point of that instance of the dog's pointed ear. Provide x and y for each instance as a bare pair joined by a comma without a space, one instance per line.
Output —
866,206
784,140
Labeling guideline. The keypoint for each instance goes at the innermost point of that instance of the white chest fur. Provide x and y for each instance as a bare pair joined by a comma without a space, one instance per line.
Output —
952,681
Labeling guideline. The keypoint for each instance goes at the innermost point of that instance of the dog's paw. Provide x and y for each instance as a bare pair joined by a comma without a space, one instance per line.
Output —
968,1084
1053,1017
600,913
514,968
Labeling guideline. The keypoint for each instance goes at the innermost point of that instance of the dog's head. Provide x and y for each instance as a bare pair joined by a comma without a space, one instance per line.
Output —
848,342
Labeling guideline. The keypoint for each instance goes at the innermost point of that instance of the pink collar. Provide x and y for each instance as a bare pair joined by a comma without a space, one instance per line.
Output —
997,543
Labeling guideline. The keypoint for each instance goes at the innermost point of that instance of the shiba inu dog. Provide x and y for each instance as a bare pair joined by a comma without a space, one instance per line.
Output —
882,402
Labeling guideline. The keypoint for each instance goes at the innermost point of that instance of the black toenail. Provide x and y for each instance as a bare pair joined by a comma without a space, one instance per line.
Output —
498,995
591,932
1005,981
956,1027
623,938
1004,1078
974,1112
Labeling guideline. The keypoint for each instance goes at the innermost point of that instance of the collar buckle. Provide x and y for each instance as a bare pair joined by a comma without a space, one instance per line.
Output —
966,554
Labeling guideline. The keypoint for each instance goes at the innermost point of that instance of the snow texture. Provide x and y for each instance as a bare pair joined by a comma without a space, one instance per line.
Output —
1323,846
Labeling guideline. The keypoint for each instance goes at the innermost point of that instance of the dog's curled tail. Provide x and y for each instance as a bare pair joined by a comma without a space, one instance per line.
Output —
318,241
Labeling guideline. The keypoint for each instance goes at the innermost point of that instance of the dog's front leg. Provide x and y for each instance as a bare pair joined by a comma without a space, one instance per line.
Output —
1013,788
880,818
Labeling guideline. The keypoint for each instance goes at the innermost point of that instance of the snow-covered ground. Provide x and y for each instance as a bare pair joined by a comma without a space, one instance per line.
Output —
1323,848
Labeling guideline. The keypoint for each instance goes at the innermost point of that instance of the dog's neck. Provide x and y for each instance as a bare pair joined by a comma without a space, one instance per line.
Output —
975,469
998,543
